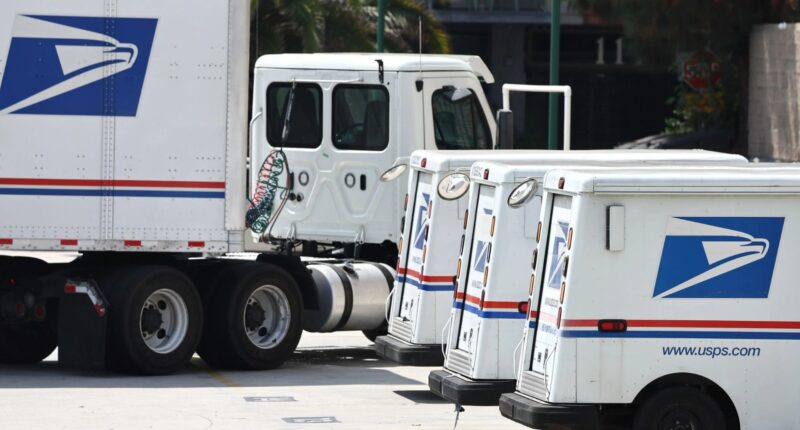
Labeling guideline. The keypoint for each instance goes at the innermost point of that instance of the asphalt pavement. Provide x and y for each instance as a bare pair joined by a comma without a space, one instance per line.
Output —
334,381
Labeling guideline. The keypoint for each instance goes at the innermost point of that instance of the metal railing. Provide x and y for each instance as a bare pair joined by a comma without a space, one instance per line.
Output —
566,90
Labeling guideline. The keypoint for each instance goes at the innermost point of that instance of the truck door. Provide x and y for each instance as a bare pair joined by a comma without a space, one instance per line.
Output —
413,281
546,337
341,137
362,145
478,268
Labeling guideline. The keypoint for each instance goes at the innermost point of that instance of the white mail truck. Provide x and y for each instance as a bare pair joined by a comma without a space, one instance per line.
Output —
666,299
491,296
430,231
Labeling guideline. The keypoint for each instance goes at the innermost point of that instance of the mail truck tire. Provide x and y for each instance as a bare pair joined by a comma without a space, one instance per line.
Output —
679,408
27,342
155,321
254,318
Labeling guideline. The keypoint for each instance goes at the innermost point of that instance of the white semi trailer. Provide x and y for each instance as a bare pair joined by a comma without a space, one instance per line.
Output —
124,137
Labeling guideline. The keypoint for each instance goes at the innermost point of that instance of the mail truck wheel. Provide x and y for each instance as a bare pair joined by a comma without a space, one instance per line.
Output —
254,318
679,408
155,321
26,342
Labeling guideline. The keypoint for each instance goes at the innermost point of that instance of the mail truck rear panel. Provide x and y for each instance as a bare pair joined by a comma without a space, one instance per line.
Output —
676,278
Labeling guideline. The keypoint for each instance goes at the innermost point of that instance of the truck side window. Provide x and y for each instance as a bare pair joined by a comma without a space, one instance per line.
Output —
360,117
305,122
458,120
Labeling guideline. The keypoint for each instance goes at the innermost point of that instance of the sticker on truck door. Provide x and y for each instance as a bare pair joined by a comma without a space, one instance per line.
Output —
70,65
547,324
718,257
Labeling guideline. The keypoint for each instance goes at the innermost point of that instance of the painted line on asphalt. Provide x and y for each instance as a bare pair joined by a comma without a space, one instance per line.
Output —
219,377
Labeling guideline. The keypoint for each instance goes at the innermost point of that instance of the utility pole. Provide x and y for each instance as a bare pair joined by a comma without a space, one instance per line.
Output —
380,26
555,46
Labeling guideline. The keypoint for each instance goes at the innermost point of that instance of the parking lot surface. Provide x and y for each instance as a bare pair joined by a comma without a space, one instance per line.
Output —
333,381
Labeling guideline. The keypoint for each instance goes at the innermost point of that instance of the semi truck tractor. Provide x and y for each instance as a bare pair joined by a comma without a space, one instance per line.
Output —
125,136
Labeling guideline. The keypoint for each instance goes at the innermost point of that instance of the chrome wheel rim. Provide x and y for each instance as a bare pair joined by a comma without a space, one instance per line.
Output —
266,316
163,321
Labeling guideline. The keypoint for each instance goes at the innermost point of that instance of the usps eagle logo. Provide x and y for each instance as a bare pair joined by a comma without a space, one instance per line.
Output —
422,221
718,257
66,65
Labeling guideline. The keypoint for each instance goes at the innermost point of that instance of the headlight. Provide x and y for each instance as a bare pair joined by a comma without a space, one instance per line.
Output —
522,193
453,186
394,172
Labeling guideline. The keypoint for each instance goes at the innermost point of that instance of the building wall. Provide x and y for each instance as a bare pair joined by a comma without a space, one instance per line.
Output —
507,59
774,102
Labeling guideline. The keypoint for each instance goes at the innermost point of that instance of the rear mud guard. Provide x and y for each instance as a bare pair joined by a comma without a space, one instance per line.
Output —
82,321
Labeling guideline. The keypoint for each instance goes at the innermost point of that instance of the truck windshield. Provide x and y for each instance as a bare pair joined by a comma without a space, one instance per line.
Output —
305,122
458,122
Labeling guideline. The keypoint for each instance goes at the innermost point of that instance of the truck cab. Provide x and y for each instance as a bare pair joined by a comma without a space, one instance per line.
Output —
353,116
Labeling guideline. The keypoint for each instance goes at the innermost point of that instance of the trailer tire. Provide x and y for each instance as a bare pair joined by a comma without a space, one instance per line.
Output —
254,318
155,320
685,405
26,343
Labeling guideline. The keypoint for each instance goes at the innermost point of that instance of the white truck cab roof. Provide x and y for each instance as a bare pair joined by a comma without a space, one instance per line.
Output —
752,178
391,63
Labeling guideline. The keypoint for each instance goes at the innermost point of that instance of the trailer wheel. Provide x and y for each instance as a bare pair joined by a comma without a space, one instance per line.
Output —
679,408
155,321
26,343
254,318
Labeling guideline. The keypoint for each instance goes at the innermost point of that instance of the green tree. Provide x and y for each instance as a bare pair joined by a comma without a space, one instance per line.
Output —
661,29
280,26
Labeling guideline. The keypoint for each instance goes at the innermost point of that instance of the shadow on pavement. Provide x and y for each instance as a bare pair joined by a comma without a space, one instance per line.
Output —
421,396
322,366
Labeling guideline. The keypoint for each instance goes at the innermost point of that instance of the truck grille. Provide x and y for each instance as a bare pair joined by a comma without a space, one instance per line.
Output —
459,361
402,329
532,384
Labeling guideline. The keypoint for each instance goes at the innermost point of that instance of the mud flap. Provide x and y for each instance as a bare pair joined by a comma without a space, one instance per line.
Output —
82,321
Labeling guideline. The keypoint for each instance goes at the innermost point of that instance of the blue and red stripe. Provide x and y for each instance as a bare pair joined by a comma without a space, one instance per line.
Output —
111,188
425,282
687,329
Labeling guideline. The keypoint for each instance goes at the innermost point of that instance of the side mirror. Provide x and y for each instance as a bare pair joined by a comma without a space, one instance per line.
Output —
522,193
505,129
394,172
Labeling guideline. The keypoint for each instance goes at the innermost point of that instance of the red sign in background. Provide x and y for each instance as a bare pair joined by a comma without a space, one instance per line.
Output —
701,70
